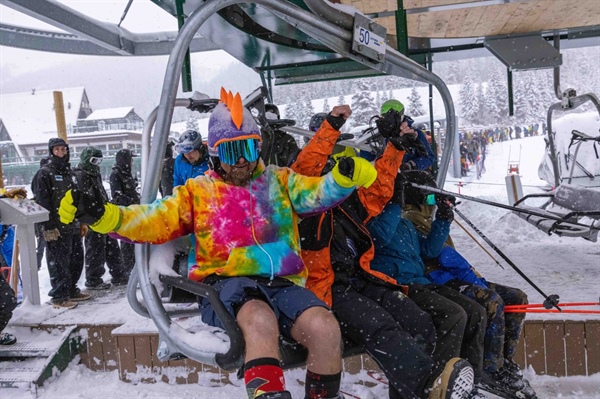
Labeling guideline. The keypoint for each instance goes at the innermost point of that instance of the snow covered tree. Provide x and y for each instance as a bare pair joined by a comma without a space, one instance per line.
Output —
468,101
481,117
415,105
326,107
363,105
341,100
192,124
496,99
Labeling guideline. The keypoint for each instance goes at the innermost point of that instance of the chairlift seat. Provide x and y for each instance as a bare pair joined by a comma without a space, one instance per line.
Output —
571,204
292,354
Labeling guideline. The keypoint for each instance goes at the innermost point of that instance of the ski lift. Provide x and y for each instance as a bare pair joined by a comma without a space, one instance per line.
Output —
337,34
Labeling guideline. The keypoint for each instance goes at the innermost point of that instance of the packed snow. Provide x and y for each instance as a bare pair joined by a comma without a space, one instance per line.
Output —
568,267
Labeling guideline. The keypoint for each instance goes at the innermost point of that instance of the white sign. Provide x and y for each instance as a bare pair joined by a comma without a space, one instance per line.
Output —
370,39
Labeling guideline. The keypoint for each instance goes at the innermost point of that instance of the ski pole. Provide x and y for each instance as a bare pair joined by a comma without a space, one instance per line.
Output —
498,205
550,301
478,243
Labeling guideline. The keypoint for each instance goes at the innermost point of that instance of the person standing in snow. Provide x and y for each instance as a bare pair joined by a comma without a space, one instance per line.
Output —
372,309
41,243
166,177
123,190
192,160
99,248
452,270
64,248
245,219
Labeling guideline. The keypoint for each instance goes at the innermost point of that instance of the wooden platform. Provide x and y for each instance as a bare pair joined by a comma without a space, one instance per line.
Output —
556,348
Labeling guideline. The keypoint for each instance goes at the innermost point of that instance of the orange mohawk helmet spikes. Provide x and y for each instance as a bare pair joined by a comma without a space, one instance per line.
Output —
235,106
237,110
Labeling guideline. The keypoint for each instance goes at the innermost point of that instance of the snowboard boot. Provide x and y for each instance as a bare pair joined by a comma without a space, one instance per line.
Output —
512,367
454,382
275,395
505,384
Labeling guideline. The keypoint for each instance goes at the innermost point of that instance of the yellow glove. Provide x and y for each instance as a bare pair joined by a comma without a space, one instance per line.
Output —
102,218
354,171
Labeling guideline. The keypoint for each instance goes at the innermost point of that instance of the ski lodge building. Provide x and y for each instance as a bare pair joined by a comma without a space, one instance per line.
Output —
28,121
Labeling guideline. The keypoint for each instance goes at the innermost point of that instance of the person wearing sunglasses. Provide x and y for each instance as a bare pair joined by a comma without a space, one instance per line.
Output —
64,247
419,156
371,307
451,269
99,248
245,220
192,160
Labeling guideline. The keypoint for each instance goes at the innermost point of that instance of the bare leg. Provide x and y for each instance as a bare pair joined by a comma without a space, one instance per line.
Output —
261,331
318,330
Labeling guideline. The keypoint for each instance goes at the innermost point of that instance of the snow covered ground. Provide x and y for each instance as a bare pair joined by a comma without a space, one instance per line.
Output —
567,267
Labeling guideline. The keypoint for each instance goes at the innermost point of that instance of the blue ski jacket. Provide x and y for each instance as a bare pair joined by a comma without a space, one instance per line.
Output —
184,170
399,247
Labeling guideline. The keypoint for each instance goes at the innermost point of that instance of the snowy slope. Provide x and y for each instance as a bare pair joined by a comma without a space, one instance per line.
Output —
563,266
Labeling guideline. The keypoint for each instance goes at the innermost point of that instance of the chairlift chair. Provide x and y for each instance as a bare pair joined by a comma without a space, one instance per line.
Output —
333,32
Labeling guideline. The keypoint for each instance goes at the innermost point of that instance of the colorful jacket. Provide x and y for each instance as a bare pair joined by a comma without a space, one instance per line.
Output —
317,232
399,247
239,231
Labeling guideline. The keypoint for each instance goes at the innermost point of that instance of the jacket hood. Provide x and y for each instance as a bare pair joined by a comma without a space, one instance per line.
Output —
85,159
57,141
123,160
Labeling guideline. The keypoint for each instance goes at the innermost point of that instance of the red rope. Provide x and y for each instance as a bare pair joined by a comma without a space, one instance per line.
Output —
537,308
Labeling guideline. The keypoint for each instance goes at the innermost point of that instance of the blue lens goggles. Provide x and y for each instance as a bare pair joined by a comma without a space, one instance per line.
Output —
429,199
231,151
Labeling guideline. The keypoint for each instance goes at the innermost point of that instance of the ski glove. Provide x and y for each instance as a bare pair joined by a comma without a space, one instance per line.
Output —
102,218
354,171
20,193
407,166
445,204
51,235
405,142
389,124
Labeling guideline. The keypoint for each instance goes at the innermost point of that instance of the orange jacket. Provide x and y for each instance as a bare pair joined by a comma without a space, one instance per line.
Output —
317,232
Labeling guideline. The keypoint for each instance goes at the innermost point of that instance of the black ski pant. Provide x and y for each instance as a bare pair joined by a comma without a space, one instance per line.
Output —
503,329
460,323
65,265
8,302
367,322
100,249
128,255
39,251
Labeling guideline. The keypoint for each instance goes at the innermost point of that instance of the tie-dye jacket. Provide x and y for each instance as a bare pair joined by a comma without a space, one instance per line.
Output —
240,231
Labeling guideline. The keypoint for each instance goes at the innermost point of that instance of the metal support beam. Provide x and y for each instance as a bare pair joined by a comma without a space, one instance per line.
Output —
511,98
401,29
186,70
434,167
86,35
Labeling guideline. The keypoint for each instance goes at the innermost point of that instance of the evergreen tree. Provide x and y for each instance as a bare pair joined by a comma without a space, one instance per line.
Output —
481,118
341,100
468,101
363,105
326,105
496,99
192,124
415,106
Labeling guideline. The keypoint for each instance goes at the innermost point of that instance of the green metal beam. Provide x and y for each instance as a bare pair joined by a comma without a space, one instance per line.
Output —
401,29
511,100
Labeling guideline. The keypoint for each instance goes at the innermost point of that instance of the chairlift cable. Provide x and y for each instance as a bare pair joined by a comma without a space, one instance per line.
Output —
125,12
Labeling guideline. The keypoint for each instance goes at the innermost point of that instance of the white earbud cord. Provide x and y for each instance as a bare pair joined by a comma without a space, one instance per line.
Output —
254,236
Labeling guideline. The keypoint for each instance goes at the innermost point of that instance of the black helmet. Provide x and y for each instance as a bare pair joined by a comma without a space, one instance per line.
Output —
316,121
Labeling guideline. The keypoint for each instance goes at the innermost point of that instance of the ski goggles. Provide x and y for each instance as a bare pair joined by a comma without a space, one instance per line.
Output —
96,160
231,151
429,199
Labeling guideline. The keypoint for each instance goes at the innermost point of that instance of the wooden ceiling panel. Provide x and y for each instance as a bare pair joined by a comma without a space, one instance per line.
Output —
469,20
